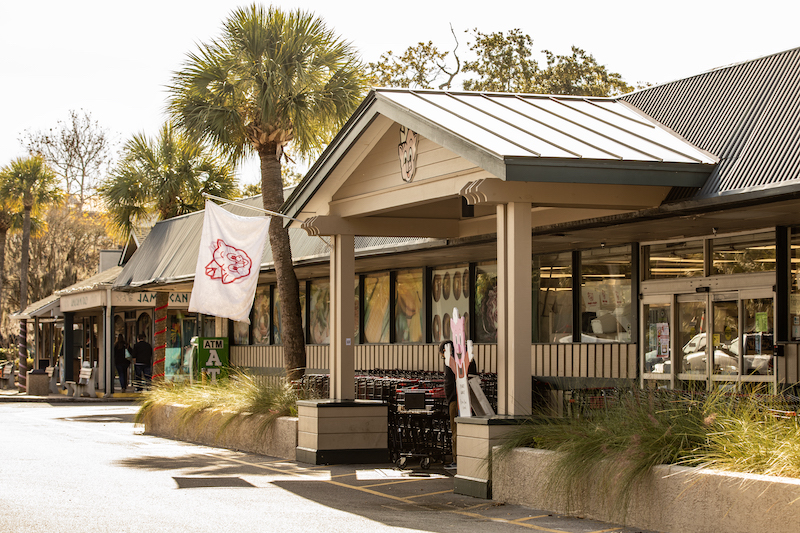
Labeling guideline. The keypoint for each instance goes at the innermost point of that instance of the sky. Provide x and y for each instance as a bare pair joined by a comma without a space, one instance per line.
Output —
114,59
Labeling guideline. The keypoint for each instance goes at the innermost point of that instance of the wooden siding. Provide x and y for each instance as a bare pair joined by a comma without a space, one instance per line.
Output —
548,360
380,170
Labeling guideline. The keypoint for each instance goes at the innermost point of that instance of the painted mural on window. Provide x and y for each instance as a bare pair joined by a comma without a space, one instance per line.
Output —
449,289
181,330
409,309
261,316
486,303
320,306
376,308
241,333
276,316
357,323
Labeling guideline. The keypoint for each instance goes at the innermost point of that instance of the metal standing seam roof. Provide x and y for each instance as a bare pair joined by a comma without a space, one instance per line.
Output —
169,254
508,134
99,281
547,126
747,114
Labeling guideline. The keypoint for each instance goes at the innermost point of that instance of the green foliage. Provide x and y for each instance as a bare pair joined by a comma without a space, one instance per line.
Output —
416,68
504,63
163,178
239,394
271,78
251,189
29,184
578,74
641,429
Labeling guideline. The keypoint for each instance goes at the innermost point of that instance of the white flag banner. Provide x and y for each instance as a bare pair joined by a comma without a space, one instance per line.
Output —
228,264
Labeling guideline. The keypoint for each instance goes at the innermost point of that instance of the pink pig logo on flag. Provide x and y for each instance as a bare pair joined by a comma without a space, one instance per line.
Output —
226,285
229,263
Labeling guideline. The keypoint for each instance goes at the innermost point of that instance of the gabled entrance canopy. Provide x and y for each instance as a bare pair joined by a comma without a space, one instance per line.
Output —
490,149
454,165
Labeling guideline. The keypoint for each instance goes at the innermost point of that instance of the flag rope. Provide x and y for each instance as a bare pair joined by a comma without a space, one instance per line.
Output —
224,201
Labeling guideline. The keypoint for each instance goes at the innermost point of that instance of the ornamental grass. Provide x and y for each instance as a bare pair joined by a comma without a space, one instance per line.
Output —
236,397
619,444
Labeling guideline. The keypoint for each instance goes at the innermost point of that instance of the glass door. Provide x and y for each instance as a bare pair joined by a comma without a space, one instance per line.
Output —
712,338
656,364
691,341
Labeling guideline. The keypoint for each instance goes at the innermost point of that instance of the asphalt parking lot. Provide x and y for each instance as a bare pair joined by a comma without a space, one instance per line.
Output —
87,465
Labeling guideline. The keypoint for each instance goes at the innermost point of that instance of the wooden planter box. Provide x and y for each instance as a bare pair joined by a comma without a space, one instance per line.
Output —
673,498
243,434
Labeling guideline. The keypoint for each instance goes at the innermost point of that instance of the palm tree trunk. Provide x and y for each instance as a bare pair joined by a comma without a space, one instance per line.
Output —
294,347
3,234
22,339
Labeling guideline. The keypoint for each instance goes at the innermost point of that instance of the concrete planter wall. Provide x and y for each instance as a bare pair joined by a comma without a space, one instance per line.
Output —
243,434
673,498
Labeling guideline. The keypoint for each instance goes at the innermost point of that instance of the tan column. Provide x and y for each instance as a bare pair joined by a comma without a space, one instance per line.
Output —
342,321
514,308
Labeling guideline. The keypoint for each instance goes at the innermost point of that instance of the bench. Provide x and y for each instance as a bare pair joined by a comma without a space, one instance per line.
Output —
52,374
7,375
84,385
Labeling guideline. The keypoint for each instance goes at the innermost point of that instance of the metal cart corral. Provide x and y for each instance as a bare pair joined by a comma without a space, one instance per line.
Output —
421,428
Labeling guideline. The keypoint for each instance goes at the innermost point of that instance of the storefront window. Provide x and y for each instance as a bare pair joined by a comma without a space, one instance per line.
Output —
657,338
606,295
144,326
261,317
449,289
376,308
674,260
357,323
794,303
408,306
320,307
178,363
209,327
744,254
241,333
303,307
552,298
486,303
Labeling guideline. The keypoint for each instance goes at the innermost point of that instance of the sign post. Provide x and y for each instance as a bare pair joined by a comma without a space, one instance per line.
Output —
212,359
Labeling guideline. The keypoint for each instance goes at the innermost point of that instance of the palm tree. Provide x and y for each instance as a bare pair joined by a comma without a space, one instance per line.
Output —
162,178
6,221
271,79
30,183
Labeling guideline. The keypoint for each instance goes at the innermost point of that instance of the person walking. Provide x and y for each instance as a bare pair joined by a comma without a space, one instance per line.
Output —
143,366
121,361
451,394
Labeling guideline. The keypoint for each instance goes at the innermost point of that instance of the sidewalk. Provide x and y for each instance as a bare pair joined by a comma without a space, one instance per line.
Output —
14,395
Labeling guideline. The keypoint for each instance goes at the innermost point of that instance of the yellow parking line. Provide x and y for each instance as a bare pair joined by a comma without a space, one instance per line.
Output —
511,522
487,504
430,494
607,530
408,499
396,481
368,491
531,518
